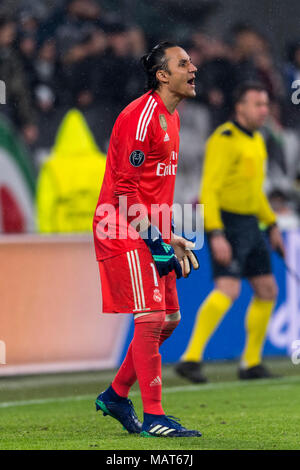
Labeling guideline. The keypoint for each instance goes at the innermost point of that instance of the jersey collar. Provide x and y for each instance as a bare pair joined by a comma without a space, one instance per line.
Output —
243,129
158,98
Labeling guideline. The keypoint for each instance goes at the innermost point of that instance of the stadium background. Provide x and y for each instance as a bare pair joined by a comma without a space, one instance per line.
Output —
69,68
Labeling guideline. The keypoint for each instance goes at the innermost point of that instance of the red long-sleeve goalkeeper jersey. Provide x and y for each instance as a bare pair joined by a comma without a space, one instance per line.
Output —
141,166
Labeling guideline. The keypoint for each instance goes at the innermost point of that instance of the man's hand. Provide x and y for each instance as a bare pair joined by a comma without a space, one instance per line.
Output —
30,133
276,240
184,254
221,249
163,254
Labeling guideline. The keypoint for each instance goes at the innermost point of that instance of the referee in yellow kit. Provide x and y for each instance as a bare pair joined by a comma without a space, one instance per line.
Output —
234,204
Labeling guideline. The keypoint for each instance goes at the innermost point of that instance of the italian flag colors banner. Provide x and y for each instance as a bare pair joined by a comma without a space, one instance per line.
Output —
17,183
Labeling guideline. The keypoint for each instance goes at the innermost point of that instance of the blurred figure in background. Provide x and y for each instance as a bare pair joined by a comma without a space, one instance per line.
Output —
282,205
69,179
292,67
216,78
291,73
253,59
123,77
195,126
27,44
18,101
246,42
283,148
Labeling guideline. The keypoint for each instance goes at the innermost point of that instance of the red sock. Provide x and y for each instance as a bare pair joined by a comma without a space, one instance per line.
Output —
126,375
147,360
167,330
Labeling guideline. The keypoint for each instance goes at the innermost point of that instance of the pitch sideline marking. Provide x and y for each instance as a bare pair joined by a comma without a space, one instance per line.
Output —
179,388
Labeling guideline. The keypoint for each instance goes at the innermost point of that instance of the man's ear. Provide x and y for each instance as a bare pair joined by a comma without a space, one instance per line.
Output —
238,106
162,76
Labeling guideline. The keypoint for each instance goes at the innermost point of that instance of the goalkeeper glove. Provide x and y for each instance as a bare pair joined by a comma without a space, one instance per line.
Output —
162,253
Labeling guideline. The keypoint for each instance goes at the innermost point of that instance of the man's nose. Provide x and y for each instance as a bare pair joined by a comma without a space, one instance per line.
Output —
193,68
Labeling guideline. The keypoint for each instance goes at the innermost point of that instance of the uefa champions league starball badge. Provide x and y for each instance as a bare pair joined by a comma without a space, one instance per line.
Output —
137,158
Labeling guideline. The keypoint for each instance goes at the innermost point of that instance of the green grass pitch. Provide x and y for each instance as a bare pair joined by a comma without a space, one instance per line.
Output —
58,412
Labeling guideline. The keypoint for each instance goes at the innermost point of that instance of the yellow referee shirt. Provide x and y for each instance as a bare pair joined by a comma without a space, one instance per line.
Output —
233,176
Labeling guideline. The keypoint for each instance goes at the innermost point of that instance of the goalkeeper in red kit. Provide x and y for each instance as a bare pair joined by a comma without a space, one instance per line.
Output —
140,257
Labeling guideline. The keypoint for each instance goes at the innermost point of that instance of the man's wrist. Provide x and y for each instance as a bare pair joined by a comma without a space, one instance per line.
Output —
150,235
216,233
270,227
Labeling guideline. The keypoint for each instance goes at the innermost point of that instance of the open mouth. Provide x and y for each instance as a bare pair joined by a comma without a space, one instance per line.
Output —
191,82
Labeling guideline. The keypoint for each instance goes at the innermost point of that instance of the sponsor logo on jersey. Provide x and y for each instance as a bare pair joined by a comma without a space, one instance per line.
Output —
157,295
163,122
167,138
137,158
167,169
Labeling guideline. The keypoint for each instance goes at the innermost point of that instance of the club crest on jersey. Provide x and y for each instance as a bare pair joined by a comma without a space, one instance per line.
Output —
137,158
163,122
157,295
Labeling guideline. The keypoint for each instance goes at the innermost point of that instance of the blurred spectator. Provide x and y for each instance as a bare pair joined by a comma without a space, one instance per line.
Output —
88,76
79,20
291,72
27,45
253,59
287,218
194,131
28,21
195,127
19,106
268,74
137,42
71,16
291,69
216,76
283,147
48,76
246,43
122,73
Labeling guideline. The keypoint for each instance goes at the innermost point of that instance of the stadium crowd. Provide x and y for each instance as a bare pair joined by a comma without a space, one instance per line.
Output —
82,55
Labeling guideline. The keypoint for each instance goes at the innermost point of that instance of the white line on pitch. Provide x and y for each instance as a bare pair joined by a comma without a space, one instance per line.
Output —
181,388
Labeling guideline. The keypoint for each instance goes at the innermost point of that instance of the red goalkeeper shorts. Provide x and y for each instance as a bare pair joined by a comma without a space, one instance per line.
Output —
130,283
